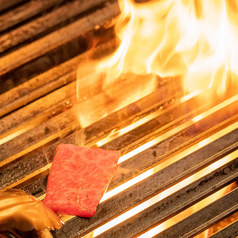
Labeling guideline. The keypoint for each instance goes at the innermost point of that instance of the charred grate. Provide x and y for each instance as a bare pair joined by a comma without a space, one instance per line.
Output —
174,136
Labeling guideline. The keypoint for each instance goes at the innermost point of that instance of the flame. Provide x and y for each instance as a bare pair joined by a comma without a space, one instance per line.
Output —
190,39
98,94
195,39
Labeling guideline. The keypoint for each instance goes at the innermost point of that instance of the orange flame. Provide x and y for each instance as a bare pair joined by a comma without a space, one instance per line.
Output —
192,39
195,39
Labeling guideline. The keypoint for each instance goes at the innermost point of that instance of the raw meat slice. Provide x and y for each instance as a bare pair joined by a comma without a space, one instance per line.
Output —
78,179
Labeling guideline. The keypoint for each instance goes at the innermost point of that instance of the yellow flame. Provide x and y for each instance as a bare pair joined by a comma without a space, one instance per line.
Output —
195,39
192,39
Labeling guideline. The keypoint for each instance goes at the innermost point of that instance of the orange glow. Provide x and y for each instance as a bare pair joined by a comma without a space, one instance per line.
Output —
157,168
116,133
12,135
99,94
174,159
193,39
184,215
168,192
178,129
190,39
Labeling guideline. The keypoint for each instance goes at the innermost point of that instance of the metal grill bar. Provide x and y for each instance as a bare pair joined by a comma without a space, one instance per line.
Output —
5,4
165,132
25,11
46,22
57,38
40,133
230,231
176,203
47,82
155,184
205,218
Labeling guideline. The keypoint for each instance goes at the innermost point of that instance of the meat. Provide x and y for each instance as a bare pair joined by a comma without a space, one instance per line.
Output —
78,179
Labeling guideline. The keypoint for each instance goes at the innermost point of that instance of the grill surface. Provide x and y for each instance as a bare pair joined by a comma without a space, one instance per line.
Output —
164,137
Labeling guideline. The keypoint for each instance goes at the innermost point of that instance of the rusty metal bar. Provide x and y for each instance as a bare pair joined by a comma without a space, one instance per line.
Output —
205,218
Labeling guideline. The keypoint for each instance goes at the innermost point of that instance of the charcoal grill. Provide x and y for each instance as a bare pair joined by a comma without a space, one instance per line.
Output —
164,137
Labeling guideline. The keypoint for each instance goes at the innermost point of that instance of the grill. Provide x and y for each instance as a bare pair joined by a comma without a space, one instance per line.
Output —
165,138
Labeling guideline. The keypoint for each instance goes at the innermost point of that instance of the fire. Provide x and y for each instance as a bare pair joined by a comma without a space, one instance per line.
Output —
190,39
195,39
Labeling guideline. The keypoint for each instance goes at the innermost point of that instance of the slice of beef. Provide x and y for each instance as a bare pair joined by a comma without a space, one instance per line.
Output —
78,179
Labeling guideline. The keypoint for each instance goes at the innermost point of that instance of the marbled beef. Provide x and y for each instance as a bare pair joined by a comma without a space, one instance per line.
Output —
78,179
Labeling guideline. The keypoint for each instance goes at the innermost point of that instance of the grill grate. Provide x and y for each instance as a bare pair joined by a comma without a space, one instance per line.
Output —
164,138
